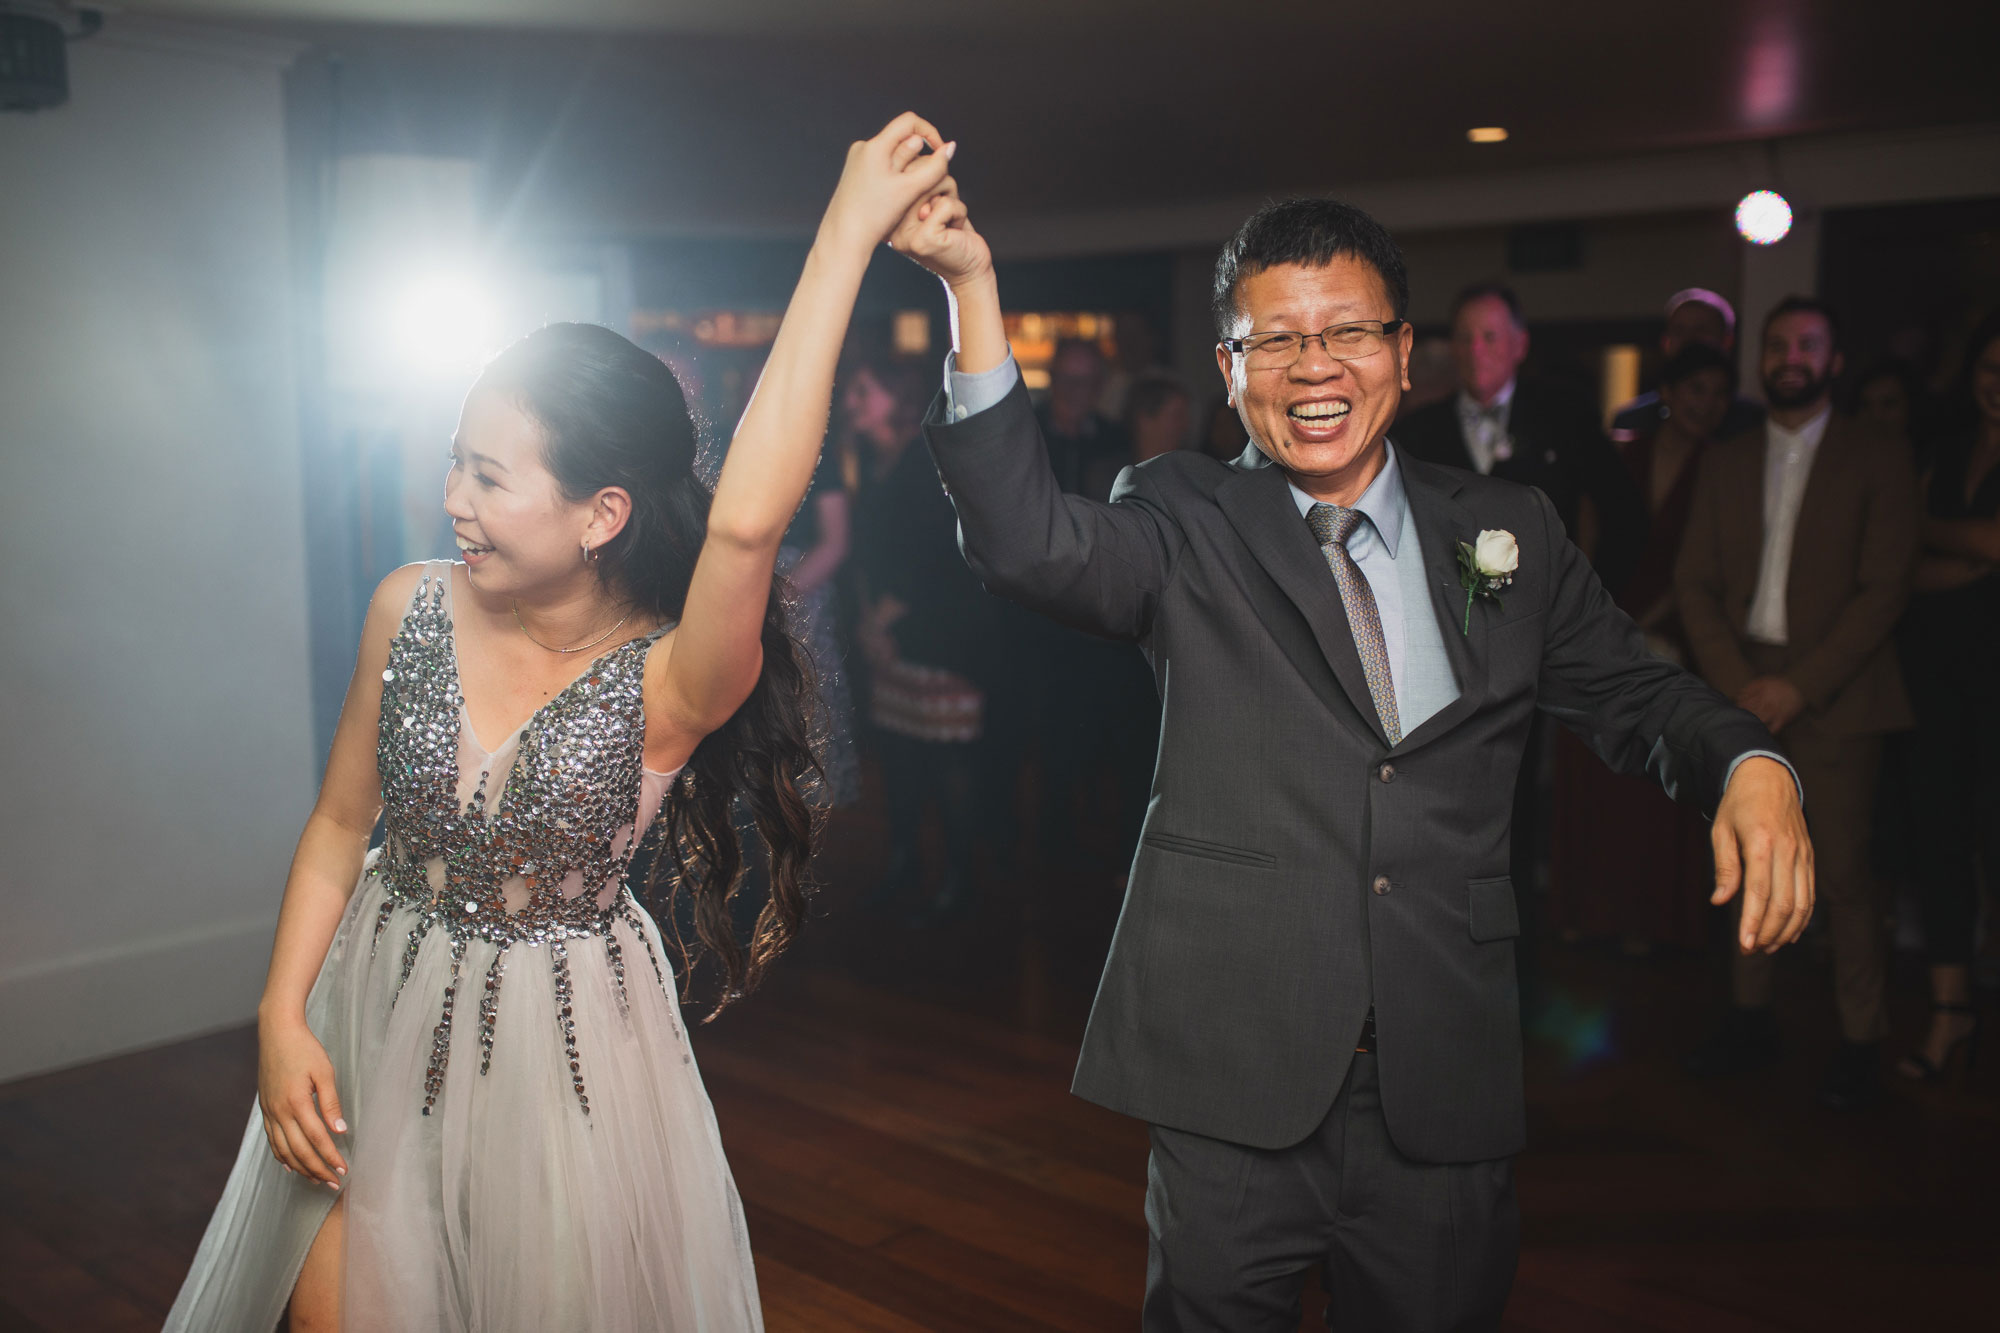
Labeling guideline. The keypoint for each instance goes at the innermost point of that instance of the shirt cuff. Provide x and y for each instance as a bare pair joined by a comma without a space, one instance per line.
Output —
1765,754
969,395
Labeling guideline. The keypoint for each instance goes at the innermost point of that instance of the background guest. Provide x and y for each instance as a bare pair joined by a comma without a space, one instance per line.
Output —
1624,860
1529,431
1156,415
1086,448
815,550
1138,354
1433,375
1508,425
1695,315
1222,434
1789,592
1096,697
922,630
1950,642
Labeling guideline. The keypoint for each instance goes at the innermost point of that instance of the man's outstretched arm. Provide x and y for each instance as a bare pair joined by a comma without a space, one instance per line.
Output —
1641,713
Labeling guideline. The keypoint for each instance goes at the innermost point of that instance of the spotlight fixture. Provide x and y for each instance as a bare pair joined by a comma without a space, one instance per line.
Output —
1763,217
1486,134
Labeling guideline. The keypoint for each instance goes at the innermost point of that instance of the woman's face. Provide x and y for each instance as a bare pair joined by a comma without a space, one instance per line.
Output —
870,409
1884,402
1698,402
516,532
1986,383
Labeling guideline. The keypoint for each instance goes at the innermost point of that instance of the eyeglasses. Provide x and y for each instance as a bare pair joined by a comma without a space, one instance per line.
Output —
1282,350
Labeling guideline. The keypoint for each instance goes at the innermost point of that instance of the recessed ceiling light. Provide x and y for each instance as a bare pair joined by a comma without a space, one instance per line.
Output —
1486,134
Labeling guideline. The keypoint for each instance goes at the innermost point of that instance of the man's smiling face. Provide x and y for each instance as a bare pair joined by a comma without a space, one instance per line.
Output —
1321,420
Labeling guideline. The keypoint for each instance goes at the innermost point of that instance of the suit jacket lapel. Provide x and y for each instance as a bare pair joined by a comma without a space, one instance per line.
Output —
1259,505
1442,523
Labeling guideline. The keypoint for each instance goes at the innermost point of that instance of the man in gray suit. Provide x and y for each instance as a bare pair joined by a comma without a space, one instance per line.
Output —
1311,993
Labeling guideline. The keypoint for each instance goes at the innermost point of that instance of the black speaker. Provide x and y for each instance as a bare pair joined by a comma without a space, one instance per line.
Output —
34,67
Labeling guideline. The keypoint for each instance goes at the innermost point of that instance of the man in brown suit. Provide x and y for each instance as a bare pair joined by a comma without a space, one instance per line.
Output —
1795,567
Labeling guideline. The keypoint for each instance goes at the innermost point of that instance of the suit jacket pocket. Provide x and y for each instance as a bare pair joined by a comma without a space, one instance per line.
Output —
1212,851
1492,913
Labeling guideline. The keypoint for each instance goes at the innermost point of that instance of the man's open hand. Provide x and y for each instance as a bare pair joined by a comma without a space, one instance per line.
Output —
1762,850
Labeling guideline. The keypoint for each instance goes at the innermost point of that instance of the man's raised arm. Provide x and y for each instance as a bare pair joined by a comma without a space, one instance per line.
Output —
1096,567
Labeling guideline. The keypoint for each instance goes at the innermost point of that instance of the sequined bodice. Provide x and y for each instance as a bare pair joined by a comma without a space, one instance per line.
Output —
542,861
567,809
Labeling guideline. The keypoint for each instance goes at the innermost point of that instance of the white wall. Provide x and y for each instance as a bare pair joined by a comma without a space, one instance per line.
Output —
157,760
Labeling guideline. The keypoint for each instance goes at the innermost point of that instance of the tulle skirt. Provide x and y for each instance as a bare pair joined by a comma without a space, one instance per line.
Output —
507,1207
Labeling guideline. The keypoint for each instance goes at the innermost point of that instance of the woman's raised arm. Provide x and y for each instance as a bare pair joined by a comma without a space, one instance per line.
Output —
714,657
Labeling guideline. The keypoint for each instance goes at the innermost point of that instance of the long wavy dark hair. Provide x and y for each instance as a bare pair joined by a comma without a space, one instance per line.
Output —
613,414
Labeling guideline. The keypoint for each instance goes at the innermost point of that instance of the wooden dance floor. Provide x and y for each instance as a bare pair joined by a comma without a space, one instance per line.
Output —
896,1111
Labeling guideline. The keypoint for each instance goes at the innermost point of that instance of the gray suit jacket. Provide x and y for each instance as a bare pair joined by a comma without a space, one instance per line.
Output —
1295,868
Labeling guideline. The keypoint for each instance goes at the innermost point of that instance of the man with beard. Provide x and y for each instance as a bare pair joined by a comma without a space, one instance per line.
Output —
1795,567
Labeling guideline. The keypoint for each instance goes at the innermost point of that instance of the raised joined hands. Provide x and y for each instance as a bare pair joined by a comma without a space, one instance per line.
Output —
884,179
937,232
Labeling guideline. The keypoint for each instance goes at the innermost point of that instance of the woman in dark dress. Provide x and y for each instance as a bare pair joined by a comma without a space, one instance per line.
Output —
1950,644
925,631
1625,861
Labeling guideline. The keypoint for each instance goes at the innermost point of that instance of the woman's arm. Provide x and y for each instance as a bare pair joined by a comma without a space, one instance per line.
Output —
821,563
295,1084
713,659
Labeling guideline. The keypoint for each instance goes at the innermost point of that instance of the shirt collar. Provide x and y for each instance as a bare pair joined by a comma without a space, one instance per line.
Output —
1381,504
1808,434
1468,405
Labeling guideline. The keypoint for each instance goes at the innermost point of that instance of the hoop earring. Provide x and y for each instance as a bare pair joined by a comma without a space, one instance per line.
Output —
588,554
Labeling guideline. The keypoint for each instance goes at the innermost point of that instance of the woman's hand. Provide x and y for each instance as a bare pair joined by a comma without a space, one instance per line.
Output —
939,235
292,1071
884,179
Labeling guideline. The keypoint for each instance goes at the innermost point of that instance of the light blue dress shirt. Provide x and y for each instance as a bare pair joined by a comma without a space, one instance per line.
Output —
1391,558
1385,547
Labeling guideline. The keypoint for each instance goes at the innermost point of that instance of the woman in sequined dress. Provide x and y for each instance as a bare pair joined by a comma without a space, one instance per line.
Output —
477,1110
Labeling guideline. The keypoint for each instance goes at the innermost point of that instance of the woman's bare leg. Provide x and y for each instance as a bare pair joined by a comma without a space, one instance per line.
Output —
316,1299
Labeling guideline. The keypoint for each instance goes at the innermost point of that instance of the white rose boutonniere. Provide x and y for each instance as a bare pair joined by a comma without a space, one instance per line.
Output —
1485,567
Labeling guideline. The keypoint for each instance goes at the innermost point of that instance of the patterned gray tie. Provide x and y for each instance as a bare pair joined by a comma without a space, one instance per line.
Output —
1332,526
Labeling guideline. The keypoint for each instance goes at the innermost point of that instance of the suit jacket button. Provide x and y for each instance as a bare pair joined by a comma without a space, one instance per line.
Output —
1381,884
1387,772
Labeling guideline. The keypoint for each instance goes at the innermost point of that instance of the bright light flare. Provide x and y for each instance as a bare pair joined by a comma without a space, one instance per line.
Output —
1486,134
1763,217
442,323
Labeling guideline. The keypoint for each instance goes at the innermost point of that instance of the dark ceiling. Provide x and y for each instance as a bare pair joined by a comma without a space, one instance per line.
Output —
649,130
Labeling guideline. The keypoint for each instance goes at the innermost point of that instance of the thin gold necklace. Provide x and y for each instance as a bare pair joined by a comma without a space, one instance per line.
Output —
549,647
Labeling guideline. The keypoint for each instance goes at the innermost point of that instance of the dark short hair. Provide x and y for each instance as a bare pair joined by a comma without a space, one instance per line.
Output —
1311,232
1808,305
1497,291
1694,358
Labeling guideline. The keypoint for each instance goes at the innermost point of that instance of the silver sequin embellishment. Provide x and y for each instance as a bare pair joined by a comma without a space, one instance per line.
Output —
562,810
